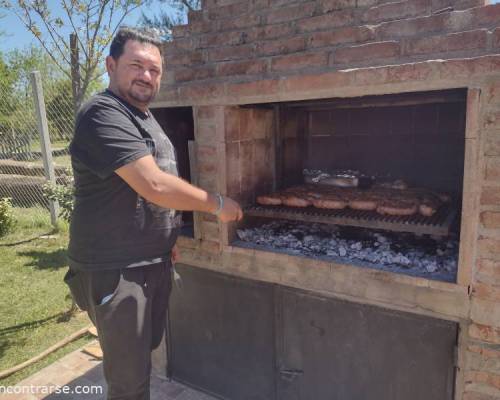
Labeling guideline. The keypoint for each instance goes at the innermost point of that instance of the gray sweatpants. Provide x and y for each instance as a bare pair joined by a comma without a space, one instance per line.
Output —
130,323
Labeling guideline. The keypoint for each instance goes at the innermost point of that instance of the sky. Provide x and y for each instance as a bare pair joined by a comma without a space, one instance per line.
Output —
17,36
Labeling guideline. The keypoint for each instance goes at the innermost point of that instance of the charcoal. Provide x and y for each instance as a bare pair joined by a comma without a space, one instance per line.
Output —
421,255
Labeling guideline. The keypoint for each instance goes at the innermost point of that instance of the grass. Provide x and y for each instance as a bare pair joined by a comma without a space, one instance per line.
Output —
33,296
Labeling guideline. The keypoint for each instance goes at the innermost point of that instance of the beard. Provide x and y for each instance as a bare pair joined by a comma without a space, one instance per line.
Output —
142,92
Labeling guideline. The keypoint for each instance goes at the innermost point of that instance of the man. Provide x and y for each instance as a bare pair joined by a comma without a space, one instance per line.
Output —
124,224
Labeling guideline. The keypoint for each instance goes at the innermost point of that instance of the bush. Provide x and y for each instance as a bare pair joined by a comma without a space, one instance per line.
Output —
7,220
63,194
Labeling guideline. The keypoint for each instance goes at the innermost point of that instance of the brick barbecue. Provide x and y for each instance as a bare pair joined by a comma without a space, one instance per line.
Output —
247,69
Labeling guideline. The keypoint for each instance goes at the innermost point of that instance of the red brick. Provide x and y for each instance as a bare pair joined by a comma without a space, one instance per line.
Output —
299,61
341,36
439,5
228,11
209,217
488,271
485,333
179,31
370,76
492,144
190,58
222,39
244,21
486,65
197,92
326,21
206,154
218,3
198,27
490,195
411,72
231,53
493,93
477,396
492,120
484,351
496,38
210,230
261,87
485,16
281,46
366,52
279,3
317,82
366,3
194,73
490,219
485,291
258,5
179,45
489,247
168,93
493,168
211,246
208,181
269,32
206,113
333,5
207,167
452,42
456,68
411,27
196,15
290,13
397,10
482,377
241,68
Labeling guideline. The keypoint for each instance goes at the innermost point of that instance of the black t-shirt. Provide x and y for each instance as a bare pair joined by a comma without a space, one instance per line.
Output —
111,225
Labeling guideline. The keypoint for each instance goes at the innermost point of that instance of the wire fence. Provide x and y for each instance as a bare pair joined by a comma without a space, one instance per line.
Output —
22,172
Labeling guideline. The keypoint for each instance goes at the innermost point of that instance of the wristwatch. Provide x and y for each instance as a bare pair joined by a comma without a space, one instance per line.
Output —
220,205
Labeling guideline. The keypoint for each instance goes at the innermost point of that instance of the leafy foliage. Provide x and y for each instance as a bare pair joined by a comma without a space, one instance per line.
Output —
94,23
64,195
7,220
166,19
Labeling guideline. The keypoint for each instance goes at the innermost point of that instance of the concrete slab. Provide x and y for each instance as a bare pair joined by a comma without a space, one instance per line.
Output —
77,373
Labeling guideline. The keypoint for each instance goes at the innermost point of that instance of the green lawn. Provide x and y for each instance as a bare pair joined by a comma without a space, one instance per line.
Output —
33,296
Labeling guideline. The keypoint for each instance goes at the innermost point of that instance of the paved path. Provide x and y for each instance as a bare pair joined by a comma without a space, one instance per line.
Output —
79,369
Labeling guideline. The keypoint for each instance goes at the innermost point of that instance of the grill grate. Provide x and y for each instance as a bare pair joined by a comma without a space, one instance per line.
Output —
439,224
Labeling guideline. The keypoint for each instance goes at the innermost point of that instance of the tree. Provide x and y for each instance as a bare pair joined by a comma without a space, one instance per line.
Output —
93,22
176,15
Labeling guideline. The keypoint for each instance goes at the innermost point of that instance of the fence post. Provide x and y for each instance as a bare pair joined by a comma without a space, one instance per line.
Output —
43,129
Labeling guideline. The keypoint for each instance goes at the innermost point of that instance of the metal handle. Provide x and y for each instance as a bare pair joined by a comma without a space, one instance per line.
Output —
290,374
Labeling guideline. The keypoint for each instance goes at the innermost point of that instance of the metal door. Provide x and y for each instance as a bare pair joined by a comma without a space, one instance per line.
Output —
337,350
222,335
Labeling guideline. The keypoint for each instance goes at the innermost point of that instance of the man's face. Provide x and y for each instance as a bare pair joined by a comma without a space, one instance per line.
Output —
136,75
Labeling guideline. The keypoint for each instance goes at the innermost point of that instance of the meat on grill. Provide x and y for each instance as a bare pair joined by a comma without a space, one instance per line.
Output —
385,201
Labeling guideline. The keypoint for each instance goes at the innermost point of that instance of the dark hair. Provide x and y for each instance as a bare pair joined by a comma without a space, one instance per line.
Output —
126,33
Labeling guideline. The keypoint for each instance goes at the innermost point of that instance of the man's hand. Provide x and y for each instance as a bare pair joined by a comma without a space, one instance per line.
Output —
231,211
175,254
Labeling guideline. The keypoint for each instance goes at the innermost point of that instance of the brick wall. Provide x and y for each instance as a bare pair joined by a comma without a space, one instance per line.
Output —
240,41
233,52
483,349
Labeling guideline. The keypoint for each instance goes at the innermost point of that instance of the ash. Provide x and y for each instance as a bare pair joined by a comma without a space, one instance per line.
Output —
425,256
